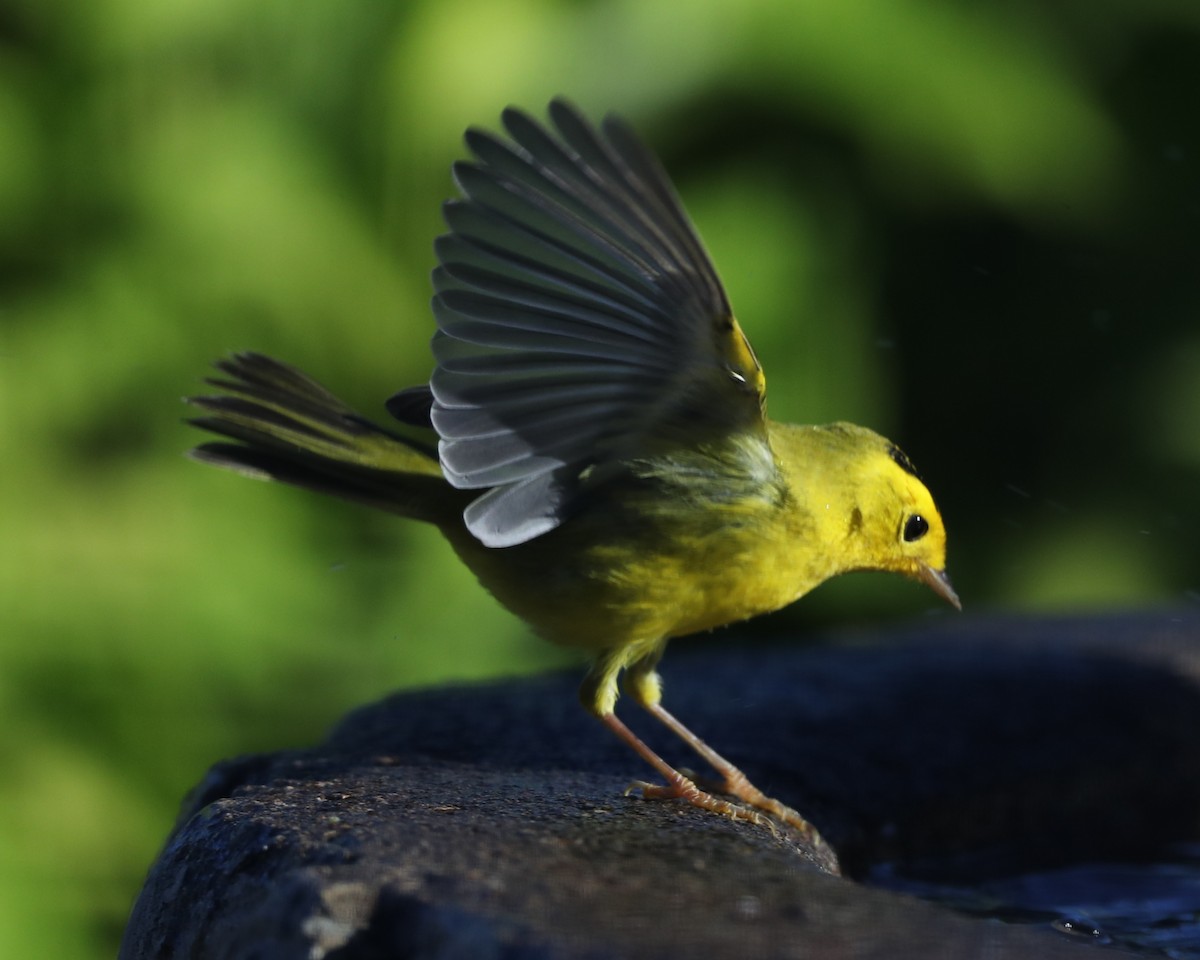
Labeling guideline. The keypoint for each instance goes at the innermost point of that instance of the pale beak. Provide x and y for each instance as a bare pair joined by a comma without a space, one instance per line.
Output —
939,583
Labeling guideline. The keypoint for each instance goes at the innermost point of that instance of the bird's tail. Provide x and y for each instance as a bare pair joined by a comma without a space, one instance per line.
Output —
289,428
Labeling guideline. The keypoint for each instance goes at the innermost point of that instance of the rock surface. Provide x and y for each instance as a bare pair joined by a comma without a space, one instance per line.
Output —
489,821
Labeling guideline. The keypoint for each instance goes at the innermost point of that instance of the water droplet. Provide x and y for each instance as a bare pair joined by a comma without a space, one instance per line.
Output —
1080,927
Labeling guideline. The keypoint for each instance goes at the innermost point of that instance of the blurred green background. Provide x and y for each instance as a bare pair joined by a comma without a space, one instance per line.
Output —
974,227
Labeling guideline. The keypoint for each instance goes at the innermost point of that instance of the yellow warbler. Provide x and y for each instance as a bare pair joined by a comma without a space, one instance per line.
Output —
603,460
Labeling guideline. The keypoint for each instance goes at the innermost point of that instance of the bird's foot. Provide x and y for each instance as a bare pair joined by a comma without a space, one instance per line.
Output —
755,806
686,790
735,784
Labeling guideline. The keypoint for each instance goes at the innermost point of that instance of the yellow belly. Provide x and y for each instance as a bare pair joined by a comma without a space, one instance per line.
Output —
597,585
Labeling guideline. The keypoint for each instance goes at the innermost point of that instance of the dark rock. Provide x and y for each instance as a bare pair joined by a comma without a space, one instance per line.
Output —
489,822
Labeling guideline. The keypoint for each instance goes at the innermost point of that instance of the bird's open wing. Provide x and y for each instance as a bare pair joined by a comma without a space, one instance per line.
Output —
580,322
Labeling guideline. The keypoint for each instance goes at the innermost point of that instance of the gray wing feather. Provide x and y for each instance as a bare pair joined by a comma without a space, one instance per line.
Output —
574,304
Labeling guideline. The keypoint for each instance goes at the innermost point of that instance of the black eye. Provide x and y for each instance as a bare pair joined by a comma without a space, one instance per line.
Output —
915,527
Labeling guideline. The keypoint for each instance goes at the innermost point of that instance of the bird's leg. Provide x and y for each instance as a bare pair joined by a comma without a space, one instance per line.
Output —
599,695
645,686
678,786
733,781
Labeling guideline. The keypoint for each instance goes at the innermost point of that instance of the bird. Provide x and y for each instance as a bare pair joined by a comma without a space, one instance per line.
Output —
593,440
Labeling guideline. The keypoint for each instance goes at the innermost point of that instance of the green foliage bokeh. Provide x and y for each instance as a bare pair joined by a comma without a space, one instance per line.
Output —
973,227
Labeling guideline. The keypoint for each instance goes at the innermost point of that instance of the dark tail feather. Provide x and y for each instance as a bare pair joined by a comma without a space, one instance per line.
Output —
291,429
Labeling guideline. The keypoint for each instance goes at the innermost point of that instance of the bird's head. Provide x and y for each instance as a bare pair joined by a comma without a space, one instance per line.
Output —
872,508
905,532
917,532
